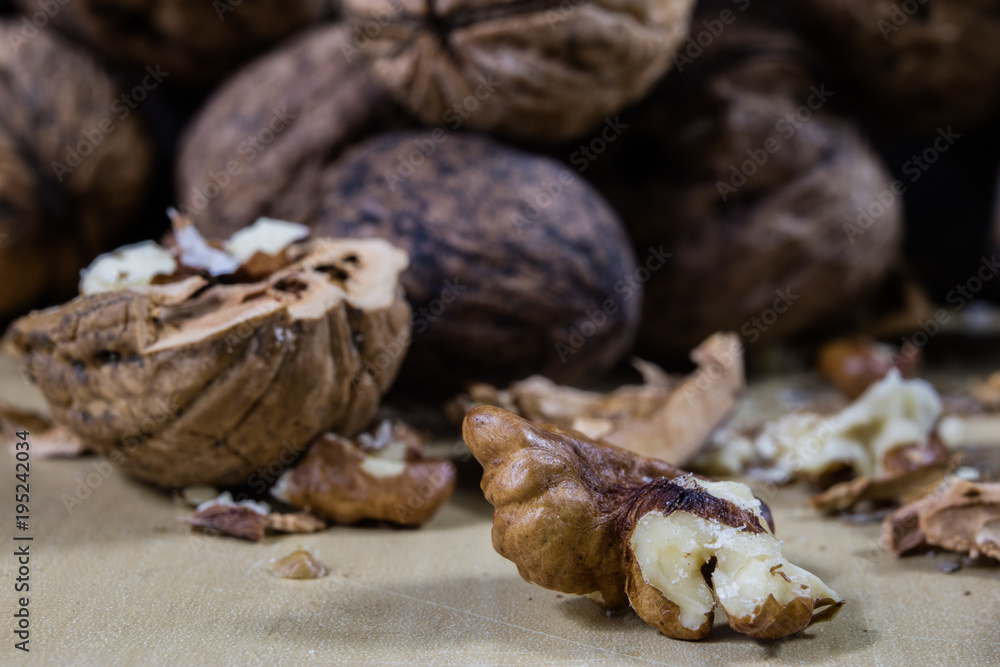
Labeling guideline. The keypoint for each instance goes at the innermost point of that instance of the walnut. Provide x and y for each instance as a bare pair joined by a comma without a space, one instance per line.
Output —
517,266
921,64
530,71
855,364
383,477
247,519
196,42
72,172
261,144
586,518
760,209
666,417
203,382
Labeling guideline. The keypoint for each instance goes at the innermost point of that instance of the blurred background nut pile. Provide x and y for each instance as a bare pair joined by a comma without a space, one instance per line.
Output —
573,180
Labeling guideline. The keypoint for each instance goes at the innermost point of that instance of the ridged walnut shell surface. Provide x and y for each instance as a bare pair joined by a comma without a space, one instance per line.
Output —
55,218
517,264
197,42
260,145
536,71
181,384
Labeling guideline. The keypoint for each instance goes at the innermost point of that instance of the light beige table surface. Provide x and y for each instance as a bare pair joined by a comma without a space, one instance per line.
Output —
118,580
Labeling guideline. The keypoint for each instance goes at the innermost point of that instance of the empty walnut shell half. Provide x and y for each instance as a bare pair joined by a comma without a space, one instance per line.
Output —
533,71
187,383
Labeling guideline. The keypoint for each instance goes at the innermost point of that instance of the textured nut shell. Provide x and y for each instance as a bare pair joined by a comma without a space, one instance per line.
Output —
955,519
319,101
331,482
50,93
535,71
197,42
784,229
205,389
533,473
940,67
521,285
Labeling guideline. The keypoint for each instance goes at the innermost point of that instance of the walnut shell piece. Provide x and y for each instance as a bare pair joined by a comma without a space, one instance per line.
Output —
187,383
387,478
300,564
539,72
72,171
587,518
854,364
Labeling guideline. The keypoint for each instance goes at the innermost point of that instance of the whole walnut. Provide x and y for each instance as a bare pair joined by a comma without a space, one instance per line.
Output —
73,166
261,143
517,265
195,42
778,216
923,64
531,71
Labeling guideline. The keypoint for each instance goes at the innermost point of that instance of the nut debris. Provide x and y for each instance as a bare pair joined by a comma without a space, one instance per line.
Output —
588,518
300,564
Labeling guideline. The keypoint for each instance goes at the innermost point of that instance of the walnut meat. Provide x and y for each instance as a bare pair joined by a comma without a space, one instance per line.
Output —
534,71
72,172
190,383
765,197
922,64
197,42
517,265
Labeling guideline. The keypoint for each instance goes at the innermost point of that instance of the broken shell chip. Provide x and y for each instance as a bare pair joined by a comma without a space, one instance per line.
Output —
300,564
191,383
384,477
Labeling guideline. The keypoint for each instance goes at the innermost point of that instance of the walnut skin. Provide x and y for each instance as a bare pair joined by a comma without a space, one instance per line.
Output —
854,364
188,383
531,71
751,257
261,144
512,256
197,42
347,482
586,518
72,174
921,64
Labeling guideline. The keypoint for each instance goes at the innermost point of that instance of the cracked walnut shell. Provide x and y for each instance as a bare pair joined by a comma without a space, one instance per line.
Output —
531,71
190,383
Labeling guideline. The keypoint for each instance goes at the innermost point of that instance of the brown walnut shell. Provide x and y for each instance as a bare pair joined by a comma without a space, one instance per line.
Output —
72,170
922,64
758,196
262,142
533,71
185,384
194,41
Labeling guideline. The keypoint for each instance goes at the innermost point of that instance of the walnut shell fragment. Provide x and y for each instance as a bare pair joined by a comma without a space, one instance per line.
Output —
190,383
666,417
533,71
961,515
385,477
248,519
587,518
300,564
